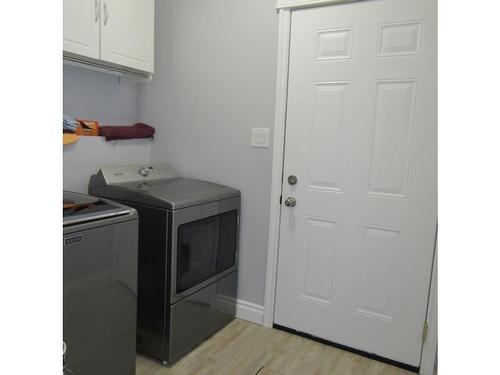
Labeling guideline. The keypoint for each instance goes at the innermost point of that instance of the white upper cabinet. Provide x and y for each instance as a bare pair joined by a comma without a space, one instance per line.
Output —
81,27
127,33
113,31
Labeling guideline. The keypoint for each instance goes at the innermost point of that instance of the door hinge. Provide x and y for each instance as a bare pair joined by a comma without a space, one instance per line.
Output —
281,197
424,331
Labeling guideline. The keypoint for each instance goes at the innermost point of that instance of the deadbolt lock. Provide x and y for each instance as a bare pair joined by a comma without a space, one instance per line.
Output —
292,180
290,202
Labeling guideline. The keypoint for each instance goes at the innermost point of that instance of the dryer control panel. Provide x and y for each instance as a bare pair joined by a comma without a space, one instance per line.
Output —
137,173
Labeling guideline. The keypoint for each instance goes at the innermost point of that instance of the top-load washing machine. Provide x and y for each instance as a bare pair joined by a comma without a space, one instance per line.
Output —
188,252
99,285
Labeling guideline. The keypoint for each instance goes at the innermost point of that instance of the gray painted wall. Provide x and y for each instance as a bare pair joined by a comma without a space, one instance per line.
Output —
99,96
215,73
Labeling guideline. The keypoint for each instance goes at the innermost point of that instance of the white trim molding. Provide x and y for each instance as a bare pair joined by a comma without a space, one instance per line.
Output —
297,4
245,310
250,312
429,349
277,171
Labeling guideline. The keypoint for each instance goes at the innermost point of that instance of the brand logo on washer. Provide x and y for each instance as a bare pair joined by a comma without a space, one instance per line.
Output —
72,240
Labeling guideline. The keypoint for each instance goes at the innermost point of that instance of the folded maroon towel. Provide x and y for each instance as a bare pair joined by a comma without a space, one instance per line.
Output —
112,133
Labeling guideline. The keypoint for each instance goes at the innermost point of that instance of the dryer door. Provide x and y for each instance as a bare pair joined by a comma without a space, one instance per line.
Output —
205,243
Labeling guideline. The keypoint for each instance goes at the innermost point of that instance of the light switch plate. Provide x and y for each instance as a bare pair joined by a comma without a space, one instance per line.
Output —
260,137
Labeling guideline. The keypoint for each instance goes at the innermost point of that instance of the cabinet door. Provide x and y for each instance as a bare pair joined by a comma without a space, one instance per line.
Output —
127,33
81,27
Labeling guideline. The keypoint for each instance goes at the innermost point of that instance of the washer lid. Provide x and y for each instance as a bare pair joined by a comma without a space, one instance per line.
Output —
173,193
79,208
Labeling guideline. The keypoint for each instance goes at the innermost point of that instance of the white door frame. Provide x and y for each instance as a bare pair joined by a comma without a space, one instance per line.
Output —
277,170
285,9
429,349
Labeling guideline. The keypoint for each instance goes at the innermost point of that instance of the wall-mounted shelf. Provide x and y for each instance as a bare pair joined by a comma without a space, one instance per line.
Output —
69,138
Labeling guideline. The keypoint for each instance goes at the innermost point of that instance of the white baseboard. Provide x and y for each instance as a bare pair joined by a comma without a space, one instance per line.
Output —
244,310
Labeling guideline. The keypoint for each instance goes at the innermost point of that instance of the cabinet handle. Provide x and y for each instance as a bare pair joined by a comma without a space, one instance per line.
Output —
97,10
105,13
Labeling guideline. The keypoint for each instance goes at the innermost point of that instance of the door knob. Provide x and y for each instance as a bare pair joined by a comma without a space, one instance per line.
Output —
290,202
292,180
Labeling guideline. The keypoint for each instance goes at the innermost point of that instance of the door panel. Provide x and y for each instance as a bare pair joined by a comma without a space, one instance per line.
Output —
393,119
327,128
318,260
127,33
356,251
81,27
377,282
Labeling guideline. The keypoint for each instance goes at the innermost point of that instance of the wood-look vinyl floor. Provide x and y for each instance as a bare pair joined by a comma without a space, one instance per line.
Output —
243,348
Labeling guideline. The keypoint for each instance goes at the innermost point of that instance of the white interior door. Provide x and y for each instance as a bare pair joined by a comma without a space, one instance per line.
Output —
81,27
355,253
127,33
